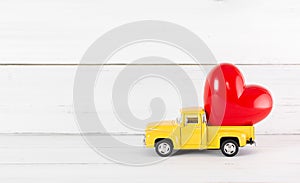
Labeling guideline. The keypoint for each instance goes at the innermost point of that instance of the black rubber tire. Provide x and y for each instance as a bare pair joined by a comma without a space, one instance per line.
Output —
224,150
161,142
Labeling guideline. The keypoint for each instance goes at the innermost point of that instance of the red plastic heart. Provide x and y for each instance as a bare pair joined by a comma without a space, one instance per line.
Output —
229,102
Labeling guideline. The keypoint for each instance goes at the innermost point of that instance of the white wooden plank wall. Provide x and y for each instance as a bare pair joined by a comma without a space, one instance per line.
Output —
42,42
40,98
262,37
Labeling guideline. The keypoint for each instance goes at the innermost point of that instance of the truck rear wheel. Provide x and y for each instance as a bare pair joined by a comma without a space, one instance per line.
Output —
229,148
164,148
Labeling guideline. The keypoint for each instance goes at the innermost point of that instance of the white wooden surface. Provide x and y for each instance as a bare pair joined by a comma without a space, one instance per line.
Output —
69,159
42,41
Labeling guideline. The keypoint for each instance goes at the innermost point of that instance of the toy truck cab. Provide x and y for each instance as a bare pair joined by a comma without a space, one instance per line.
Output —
191,131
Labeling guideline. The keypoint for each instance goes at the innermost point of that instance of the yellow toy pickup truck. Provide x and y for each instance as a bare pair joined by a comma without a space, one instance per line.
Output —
191,131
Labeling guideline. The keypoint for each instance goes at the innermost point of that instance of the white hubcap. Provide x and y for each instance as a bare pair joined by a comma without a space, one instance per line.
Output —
164,148
229,148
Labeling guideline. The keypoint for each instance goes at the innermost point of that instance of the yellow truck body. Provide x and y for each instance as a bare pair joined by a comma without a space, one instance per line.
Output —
193,132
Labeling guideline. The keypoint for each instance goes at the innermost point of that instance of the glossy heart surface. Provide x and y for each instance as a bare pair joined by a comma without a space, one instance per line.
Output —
229,102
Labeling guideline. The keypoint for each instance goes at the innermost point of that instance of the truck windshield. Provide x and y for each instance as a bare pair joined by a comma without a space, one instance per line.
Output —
179,118
204,118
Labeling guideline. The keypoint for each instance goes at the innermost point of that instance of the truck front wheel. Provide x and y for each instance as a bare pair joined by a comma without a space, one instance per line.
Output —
229,148
164,148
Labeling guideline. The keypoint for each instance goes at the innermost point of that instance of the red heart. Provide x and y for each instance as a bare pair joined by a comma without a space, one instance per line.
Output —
229,102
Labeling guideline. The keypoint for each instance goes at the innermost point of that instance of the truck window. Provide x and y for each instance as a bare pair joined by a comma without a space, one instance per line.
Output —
192,119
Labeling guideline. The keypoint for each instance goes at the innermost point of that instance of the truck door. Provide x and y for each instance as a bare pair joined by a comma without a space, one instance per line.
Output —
191,131
203,131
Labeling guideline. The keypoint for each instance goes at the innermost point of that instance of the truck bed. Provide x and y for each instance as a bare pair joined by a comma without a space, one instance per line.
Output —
215,133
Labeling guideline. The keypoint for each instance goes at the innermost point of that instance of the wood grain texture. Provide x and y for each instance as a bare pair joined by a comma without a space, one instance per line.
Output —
70,159
42,44
40,98
252,31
